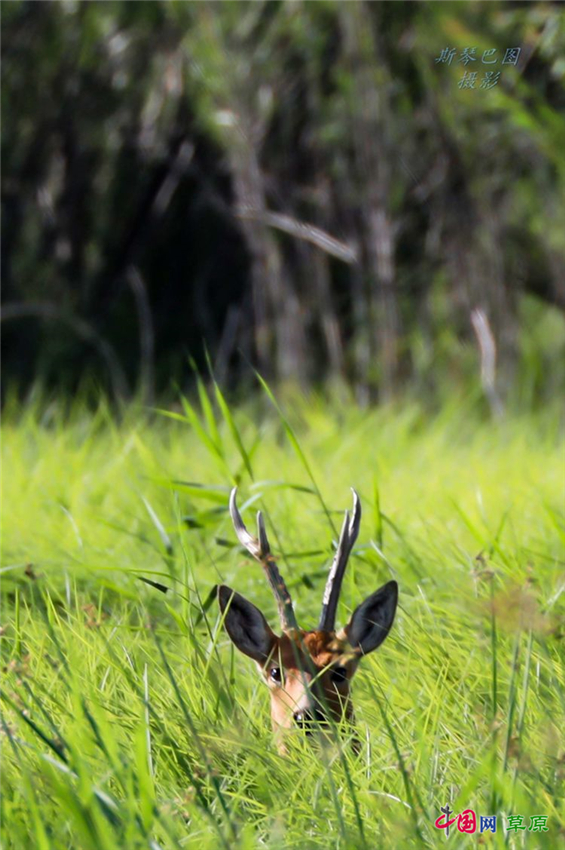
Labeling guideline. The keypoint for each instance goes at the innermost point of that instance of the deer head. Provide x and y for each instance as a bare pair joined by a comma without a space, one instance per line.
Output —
308,672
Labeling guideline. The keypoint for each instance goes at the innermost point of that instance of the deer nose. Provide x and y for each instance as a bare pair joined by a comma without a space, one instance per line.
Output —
306,718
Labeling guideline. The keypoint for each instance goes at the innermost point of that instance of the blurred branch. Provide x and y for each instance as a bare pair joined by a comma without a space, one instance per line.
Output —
172,179
227,343
146,336
487,348
302,230
149,212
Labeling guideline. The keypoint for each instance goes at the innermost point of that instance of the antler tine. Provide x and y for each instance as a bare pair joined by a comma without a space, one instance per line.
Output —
261,551
347,538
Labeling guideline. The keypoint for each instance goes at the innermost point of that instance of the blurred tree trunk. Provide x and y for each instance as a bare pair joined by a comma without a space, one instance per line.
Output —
474,261
279,328
317,265
244,104
368,104
328,318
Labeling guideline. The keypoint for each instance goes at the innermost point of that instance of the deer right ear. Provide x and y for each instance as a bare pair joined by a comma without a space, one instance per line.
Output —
246,625
372,620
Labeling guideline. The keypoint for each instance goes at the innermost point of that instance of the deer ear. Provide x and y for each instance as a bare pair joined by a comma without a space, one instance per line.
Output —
246,625
372,620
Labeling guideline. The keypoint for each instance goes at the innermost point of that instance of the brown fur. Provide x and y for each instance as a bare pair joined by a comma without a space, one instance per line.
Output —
306,662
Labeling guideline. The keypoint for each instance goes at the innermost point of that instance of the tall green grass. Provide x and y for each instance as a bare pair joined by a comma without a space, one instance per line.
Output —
128,720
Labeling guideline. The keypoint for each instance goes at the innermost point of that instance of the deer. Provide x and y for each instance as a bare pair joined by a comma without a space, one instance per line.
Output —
308,673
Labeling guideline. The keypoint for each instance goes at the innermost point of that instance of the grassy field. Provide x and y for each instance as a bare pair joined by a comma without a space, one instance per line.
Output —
130,721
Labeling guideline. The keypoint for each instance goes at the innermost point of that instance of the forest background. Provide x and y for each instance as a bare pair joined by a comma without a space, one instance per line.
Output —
335,193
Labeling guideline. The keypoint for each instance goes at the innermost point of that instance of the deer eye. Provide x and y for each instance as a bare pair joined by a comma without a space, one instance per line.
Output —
339,675
275,674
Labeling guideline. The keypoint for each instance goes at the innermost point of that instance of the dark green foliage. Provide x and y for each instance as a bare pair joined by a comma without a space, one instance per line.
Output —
184,176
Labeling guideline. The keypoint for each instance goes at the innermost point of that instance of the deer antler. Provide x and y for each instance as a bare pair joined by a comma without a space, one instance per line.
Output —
260,549
347,538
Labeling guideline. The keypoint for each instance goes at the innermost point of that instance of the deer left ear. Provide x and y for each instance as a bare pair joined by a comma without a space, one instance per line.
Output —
372,620
246,625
